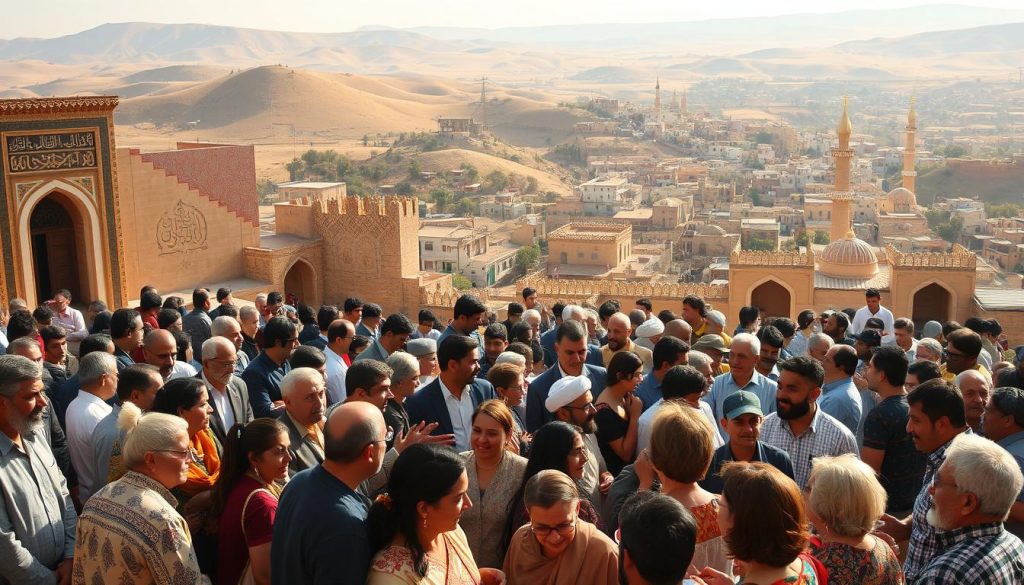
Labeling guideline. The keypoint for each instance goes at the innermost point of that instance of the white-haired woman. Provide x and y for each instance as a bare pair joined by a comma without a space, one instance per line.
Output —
405,378
130,527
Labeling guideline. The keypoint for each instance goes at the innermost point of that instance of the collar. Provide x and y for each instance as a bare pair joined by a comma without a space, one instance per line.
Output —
755,379
333,356
209,384
826,388
758,452
7,445
1011,439
446,393
936,457
950,537
322,336
561,372
90,397
301,428
382,349
813,427
145,482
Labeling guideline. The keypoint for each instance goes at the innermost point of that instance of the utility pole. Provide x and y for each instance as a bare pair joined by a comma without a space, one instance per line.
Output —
483,103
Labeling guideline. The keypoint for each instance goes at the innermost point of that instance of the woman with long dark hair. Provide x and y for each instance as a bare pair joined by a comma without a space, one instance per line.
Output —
557,445
414,527
256,459
618,411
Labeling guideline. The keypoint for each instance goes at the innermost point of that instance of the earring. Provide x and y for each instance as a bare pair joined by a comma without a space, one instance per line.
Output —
424,522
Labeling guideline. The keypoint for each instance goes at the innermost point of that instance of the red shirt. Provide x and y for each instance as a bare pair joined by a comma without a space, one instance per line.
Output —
233,547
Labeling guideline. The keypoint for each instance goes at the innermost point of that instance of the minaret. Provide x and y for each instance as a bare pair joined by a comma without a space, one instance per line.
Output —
682,102
842,196
657,97
909,150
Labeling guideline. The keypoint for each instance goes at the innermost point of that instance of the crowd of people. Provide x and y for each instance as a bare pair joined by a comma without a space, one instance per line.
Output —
271,443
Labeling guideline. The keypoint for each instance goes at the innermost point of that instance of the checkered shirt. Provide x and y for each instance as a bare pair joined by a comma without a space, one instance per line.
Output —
825,436
985,554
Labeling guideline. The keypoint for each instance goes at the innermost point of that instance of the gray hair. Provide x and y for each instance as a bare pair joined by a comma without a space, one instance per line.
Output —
403,365
261,297
967,374
570,310
986,470
819,340
1010,402
696,359
223,324
531,314
94,366
23,343
550,487
247,311
154,431
98,306
748,338
511,357
717,317
212,345
292,379
15,370
932,345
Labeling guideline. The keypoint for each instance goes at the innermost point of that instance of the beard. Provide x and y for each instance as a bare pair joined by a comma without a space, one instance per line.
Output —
794,410
934,521
29,424
615,344
588,426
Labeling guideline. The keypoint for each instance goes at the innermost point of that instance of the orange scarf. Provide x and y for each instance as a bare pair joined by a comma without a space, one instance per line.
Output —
202,477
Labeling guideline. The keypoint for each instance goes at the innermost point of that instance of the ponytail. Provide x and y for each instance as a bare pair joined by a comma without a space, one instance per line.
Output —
241,441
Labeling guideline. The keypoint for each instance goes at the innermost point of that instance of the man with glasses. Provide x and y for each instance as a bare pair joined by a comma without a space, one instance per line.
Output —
264,374
39,517
570,400
229,395
963,347
126,332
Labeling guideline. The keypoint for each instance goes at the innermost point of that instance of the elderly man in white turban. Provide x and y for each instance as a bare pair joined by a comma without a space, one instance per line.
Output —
570,400
649,332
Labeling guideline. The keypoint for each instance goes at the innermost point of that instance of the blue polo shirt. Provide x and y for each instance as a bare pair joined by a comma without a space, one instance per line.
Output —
263,379
649,391
765,453
841,399
725,386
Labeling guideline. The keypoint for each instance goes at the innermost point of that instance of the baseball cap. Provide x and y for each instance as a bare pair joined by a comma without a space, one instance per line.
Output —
740,403
869,336
711,341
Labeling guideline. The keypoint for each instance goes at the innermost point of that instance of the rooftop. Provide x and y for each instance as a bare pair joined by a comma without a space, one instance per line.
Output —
308,185
457,232
1000,299
589,231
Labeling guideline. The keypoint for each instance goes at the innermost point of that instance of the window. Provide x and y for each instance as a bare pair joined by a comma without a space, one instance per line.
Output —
428,246
579,254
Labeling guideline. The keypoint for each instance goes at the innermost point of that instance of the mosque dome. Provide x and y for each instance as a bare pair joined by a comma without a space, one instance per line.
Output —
849,257
668,202
712,230
902,200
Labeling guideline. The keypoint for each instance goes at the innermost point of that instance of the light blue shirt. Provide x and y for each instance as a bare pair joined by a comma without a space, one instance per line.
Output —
649,391
103,437
842,401
725,386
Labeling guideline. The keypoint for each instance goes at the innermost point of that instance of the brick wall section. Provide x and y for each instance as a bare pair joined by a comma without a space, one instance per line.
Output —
223,174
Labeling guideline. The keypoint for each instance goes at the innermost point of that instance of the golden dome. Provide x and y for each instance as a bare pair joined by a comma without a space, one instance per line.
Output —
845,127
849,257
903,200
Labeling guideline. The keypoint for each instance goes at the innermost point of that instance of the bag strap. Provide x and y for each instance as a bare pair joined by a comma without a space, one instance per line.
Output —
246,505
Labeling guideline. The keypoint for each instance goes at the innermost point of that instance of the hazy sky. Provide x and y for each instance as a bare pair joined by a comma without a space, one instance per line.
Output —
60,17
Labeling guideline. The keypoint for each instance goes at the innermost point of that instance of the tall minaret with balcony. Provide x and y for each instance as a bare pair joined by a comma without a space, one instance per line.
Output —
910,151
842,197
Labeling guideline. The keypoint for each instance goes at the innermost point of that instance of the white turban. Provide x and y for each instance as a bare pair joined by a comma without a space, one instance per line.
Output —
565,390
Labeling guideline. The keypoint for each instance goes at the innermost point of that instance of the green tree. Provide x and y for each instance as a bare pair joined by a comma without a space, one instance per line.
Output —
759,245
497,180
801,239
821,238
955,151
470,172
295,169
527,258
442,198
265,188
531,185
465,207
461,282
951,230
414,169
403,188
1003,210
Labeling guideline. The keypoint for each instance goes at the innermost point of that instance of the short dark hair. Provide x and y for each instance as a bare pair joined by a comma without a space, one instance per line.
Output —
305,314
872,293
337,329
891,361
607,309
496,331
874,323
43,314
622,365
521,331
396,324
200,296
965,340
179,393
992,327
51,332
167,317
524,350
842,321
120,322
351,304
515,309
1010,402
182,341
667,350
307,356
223,293
150,300
528,291
454,347
229,311
806,367
949,327
845,358
645,303
805,318
365,374
659,534
697,303
20,324
850,313
573,330
770,335
904,324
95,342
924,370
278,331
939,398
358,342
666,315
426,316
134,377
371,310
975,324
274,298
637,318
785,325
748,315
680,381
325,316
172,302
467,306
556,310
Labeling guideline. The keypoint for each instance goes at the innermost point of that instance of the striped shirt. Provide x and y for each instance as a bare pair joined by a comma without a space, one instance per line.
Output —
985,554
824,436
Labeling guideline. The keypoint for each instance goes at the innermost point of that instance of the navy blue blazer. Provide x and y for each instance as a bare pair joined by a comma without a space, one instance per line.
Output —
427,404
536,413
317,342
547,342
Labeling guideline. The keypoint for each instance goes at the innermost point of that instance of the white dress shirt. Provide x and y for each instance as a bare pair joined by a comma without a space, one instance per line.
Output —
73,323
222,402
860,319
460,410
182,370
336,370
84,413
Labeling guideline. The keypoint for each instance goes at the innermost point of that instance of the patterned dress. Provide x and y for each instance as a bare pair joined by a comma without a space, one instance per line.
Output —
808,574
846,564
130,534
393,565
711,550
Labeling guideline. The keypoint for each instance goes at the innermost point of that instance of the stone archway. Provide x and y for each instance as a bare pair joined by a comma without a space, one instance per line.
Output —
300,280
772,298
932,302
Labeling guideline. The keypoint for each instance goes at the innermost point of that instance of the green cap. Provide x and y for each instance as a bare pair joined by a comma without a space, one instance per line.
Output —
740,403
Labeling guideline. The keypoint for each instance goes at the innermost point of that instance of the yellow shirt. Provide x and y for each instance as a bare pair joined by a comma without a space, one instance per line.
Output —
950,376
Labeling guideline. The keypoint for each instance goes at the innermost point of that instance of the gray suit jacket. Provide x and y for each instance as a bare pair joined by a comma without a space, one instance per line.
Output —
305,452
484,523
238,397
197,325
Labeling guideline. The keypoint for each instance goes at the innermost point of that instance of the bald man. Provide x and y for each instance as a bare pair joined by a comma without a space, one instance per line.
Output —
619,330
679,329
159,349
976,387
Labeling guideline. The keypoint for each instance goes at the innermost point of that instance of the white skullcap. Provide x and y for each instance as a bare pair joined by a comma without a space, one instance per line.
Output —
565,390
650,328
511,357
717,317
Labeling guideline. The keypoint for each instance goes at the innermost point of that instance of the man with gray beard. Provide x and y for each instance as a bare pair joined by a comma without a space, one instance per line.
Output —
37,518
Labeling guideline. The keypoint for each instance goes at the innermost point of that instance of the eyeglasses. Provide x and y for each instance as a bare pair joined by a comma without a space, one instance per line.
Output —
948,354
586,408
388,437
188,453
564,529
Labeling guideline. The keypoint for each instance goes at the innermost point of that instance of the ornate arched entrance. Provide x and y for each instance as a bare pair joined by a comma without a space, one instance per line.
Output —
772,298
55,254
932,302
300,280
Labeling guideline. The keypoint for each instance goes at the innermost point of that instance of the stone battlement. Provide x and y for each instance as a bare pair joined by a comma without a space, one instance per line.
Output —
742,258
15,107
581,289
959,258
379,205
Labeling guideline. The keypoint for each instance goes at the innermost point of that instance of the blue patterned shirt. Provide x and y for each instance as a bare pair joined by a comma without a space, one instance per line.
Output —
983,554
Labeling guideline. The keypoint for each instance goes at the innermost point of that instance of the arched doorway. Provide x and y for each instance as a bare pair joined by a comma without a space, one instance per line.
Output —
931,303
300,280
58,256
772,298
